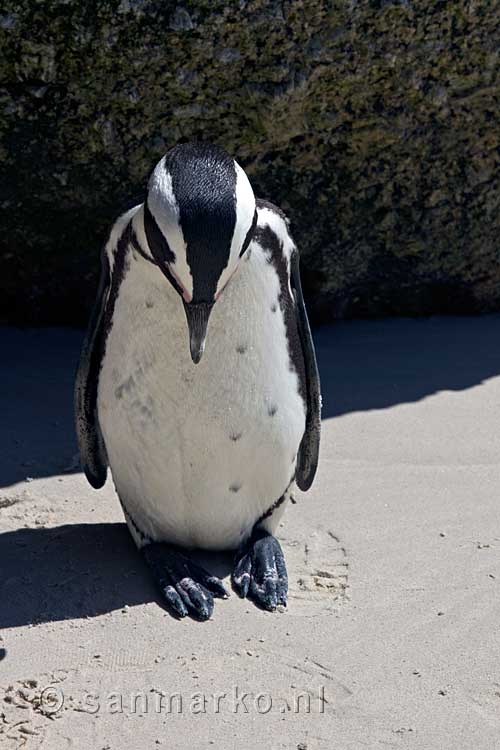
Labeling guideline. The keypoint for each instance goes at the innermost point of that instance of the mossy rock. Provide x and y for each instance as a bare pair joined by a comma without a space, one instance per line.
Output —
373,124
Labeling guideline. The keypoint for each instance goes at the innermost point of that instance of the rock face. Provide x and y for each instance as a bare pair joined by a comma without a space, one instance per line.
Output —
373,124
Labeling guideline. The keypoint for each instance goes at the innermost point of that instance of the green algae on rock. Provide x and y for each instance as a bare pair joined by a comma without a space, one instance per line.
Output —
373,124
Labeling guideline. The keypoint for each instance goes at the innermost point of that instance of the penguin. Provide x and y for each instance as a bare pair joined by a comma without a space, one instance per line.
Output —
197,383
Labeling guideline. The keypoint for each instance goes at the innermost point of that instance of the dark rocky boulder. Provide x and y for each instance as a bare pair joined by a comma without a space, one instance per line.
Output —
374,124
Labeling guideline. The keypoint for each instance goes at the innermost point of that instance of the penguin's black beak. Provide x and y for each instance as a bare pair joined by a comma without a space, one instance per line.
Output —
197,319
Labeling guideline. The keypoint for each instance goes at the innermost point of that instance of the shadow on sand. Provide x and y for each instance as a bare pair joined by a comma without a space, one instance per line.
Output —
37,370
76,571
380,363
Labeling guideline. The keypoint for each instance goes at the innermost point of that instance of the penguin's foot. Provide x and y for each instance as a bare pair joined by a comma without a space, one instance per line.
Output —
260,571
187,587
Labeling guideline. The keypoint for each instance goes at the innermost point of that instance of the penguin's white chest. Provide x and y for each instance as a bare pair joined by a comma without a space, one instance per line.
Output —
199,452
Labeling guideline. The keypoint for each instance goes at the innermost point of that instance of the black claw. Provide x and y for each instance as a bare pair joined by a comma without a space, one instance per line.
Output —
241,574
210,582
175,601
198,599
282,591
265,594
185,585
260,571
217,588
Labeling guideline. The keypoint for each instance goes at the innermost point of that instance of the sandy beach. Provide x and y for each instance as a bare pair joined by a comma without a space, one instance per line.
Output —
391,637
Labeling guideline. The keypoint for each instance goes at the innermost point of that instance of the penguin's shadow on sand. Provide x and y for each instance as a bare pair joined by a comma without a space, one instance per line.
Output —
76,571
377,364
37,372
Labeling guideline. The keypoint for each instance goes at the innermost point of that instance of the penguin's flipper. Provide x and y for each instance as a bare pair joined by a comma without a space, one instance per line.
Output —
187,587
90,442
307,459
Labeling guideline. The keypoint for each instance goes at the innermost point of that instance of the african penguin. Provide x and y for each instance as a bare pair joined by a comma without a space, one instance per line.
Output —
206,436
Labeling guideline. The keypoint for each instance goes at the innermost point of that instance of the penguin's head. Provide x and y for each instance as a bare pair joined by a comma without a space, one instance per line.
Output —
199,218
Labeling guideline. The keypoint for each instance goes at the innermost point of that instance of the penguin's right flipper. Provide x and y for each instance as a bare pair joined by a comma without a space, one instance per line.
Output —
187,587
92,451
307,459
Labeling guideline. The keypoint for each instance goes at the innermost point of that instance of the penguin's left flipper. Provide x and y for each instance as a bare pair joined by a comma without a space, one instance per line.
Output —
90,440
187,587
260,571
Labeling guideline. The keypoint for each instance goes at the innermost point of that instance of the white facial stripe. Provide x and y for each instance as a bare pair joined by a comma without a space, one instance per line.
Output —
163,206
245,209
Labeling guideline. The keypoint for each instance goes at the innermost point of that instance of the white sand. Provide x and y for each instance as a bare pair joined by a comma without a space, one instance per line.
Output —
393,559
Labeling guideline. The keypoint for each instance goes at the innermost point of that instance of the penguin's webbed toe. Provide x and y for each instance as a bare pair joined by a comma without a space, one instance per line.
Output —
187,588
260,571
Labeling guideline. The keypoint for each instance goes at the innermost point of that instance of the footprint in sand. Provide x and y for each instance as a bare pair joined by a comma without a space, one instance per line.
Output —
318,572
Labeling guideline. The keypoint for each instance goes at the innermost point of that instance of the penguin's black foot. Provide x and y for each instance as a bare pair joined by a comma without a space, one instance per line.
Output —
260,571
187,587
